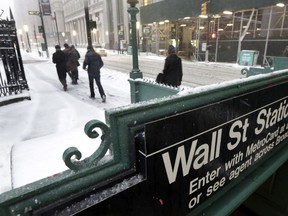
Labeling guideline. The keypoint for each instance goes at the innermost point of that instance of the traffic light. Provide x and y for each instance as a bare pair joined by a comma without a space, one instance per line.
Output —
204,8
213,35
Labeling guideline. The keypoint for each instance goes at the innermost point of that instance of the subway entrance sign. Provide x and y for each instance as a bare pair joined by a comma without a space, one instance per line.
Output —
194,155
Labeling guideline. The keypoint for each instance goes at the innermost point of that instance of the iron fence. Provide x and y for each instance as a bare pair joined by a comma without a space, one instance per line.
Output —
12,75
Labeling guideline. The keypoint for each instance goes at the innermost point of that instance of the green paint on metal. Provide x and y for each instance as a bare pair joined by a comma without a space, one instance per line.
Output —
135,73
143,90
277,63
88,173
95,157
248,57
255,71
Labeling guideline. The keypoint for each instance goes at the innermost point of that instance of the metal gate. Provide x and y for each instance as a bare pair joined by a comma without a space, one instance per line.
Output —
12,75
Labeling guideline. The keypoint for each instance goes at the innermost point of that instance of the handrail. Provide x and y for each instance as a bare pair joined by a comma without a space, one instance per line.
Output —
97,155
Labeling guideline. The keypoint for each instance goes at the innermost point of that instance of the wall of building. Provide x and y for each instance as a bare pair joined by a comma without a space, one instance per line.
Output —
67,23
251,25
22,18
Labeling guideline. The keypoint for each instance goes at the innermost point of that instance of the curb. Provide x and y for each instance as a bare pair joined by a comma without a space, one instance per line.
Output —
14,99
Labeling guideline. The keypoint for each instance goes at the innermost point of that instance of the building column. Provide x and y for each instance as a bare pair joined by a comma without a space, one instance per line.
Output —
83,25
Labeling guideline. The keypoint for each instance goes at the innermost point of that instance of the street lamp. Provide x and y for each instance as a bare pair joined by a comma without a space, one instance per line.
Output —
25,27
138,38
135,73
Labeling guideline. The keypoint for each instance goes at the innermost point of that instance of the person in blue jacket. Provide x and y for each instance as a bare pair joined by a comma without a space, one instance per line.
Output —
94,62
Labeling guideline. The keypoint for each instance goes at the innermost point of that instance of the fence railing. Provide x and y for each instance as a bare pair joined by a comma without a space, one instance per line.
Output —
12,75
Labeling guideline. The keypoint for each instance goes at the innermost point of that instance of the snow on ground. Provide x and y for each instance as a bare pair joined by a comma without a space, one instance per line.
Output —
34,134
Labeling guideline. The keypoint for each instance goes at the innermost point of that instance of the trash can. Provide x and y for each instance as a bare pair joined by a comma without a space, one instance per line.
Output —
248,57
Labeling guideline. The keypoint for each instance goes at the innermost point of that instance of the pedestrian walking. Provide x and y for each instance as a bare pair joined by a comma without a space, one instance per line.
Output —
66,50
94,62
72,62
76,73
172,68
58,58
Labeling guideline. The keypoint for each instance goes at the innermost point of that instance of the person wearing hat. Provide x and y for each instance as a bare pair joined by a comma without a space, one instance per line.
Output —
94,62
58,58
172,68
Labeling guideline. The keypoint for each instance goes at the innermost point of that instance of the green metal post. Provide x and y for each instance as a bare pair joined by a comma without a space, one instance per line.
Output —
132,10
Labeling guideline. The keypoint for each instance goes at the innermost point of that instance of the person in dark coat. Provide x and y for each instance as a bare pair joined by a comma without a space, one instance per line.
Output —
172,68
94,62
72,63
75,72
58,58
66,50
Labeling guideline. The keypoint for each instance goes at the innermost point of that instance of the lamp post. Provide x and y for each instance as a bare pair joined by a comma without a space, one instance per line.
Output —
27,35
138,38
132,10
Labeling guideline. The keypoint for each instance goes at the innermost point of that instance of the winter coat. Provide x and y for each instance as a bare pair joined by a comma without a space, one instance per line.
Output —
58,58
94,62
172,70
72,57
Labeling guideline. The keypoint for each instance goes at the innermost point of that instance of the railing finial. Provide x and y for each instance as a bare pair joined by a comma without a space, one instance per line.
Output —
97,155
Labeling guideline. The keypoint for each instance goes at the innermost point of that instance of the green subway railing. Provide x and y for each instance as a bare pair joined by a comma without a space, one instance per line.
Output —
275,63
84,175
144,89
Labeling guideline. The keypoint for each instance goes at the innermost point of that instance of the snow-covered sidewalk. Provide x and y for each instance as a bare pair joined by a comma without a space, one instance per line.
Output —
34,134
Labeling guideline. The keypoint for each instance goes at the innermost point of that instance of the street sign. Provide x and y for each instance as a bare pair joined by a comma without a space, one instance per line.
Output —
33,12
193,155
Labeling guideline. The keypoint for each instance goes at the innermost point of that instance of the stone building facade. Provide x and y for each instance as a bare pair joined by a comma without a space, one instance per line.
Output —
67,23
